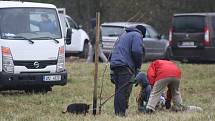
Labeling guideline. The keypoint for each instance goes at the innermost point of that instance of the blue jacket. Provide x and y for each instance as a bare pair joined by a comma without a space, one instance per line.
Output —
128,50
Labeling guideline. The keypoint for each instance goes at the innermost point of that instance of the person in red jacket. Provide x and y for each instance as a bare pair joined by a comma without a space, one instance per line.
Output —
162,74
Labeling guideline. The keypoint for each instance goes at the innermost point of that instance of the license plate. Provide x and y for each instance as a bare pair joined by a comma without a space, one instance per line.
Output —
52,78
187,44
107,47
108,44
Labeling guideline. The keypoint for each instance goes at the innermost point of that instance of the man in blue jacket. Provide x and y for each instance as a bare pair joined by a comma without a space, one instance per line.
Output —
126,60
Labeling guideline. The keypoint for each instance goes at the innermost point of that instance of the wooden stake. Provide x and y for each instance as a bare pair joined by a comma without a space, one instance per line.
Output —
96,62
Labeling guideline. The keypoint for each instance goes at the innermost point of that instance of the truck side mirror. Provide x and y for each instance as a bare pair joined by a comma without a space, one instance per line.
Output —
68,36
80,26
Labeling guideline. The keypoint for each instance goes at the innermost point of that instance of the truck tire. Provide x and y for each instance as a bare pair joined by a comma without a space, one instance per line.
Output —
84,53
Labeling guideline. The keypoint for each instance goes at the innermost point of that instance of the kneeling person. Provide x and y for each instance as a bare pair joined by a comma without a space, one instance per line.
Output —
163,73
144,91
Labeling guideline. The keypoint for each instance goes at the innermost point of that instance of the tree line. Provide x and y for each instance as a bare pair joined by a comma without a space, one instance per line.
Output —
157,13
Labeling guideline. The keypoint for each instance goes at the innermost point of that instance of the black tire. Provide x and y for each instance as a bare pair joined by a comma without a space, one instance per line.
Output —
168,54
84,53
68,55
42,90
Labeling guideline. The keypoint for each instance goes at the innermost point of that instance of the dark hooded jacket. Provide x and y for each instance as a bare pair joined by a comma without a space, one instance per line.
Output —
128,51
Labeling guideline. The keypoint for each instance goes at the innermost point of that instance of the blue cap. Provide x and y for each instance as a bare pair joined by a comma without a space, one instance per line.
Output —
142,29
142,79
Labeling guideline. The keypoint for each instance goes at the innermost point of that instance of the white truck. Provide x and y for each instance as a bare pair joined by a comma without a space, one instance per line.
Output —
32,55
79,38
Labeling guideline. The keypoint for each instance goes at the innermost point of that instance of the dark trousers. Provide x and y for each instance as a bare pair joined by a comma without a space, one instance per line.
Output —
143,97
122,76
145,93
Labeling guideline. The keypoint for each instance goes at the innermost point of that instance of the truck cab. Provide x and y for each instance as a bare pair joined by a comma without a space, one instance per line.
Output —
32,55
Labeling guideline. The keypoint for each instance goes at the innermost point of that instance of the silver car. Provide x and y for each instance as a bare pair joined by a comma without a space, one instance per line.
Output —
155,46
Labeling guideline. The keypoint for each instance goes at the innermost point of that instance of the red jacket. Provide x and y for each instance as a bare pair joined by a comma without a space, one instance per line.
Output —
160,69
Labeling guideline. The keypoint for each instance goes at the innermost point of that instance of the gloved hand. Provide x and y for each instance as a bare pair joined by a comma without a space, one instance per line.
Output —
112,79
162,101
137,71
132,80
168,104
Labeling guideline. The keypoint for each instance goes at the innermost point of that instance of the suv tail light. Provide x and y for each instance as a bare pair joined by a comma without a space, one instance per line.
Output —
170,36
207,36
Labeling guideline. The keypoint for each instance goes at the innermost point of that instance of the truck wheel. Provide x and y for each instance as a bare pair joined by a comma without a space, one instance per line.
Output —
84,53
68,55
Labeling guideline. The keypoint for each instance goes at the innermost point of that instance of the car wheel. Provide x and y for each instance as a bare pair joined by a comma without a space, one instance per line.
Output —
84,53
68,55
168,54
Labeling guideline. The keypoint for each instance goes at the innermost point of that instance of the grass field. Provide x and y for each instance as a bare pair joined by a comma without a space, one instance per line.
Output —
197,88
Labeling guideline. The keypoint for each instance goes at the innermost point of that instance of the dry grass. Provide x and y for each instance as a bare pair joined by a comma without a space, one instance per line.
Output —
198,88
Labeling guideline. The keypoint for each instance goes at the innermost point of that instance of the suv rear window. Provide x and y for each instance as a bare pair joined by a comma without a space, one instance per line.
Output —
112,30
188,24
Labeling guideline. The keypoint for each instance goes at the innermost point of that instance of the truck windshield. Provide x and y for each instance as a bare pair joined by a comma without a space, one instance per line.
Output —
29,23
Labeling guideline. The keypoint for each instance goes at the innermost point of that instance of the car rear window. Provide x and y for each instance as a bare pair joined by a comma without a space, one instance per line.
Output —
188,24
112,30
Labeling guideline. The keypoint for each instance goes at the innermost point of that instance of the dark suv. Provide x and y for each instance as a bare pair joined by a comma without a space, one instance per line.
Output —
192,36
